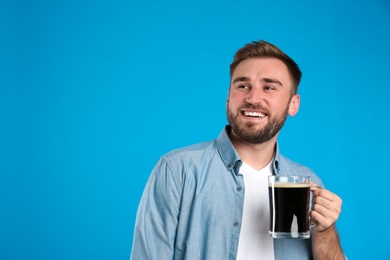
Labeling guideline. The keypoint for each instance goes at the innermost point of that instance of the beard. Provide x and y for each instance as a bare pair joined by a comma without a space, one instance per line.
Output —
248,132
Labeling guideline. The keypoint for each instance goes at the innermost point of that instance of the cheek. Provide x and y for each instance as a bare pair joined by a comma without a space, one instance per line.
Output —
278,105
233,104
236,98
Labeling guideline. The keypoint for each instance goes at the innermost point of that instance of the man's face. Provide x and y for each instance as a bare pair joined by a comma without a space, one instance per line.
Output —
260,99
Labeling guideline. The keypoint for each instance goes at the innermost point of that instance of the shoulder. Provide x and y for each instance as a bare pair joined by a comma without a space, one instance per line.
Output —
174,166
191,151
188,158
187,164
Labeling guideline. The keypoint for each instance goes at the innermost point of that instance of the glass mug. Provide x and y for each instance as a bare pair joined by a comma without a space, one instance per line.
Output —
289,202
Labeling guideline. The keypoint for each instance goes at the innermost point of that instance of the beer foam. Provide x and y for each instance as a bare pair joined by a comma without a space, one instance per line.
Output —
289,185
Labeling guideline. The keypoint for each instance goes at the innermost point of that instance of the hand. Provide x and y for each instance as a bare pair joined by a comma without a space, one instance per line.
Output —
326,208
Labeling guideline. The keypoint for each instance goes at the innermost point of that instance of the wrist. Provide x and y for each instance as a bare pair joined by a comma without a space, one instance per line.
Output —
326,244
330,231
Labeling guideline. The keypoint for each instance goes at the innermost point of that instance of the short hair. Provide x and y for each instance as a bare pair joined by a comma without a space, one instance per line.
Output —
265,49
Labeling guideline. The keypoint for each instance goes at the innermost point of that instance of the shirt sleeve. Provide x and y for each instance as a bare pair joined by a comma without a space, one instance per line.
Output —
157,216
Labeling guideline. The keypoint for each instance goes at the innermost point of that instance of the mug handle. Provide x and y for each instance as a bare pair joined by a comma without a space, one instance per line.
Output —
314,222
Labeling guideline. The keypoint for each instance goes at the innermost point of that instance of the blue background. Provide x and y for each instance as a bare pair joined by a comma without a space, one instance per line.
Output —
92,93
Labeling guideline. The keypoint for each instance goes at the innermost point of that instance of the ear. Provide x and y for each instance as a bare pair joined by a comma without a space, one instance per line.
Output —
294,105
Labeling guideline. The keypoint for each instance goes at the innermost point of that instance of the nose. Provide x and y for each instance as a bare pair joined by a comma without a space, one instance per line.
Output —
255,96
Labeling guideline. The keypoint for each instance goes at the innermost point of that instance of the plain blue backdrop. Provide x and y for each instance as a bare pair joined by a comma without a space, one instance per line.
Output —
92,93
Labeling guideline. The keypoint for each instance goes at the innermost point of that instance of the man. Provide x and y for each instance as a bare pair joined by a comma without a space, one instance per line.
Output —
210,200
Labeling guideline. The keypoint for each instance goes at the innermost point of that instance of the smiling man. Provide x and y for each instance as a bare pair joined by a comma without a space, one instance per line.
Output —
260,97
210,200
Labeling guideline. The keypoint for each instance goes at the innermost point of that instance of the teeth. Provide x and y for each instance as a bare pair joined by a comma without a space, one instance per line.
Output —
255,114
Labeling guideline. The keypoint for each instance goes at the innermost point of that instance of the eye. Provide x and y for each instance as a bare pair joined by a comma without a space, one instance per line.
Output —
269,87
243,87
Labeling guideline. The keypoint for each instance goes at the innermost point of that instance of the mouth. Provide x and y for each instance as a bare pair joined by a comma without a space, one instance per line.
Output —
253,114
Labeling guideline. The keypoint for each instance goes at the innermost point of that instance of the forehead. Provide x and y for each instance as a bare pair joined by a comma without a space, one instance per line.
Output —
257,68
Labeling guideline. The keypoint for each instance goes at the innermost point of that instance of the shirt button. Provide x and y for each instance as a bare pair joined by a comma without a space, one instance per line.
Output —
239,188
236,224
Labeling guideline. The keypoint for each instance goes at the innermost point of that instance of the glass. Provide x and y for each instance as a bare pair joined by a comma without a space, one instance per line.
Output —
289,200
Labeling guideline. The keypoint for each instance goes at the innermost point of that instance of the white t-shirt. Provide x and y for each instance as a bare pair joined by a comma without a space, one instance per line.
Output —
255,242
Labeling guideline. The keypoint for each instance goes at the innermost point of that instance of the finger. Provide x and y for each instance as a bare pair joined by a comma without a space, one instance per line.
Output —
323,202
320,192
328,204
329,214
325,218
322,222
314,186
316,190
329,195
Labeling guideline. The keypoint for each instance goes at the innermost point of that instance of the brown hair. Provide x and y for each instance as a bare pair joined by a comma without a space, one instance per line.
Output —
265,49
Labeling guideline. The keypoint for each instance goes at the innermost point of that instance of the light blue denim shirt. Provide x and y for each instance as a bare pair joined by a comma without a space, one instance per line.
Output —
192,205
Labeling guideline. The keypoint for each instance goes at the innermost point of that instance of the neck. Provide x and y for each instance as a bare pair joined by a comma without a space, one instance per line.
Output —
255,155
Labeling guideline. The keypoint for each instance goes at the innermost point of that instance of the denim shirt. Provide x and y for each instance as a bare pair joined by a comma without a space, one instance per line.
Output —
192,205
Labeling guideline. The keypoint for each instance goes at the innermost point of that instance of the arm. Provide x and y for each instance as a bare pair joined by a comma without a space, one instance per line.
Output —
157,216
325,211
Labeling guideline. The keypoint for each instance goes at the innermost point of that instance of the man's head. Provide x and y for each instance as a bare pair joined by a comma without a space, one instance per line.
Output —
262,92
263,49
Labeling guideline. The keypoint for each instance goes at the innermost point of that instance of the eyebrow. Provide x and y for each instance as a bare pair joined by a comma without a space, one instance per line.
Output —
275,81
266,80
239,79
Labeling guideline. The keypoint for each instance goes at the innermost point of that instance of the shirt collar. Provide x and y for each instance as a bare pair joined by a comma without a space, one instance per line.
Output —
229,155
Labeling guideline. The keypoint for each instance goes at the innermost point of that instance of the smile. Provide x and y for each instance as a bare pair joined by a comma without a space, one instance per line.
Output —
253,114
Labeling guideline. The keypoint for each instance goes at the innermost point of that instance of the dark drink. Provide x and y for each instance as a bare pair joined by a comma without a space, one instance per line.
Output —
289,209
